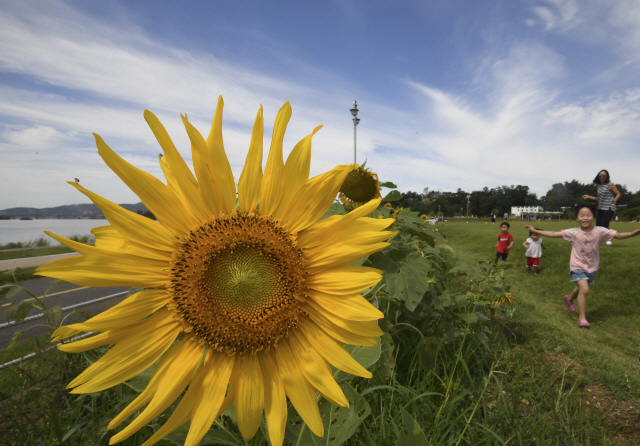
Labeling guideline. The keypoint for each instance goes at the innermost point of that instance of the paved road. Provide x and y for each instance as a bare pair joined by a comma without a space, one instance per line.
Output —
66,294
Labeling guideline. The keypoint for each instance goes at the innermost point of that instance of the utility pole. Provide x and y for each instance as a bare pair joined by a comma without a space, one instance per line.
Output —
356,121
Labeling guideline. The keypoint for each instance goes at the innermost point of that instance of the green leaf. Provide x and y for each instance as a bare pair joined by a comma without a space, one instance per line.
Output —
8,291
394,195
411,433
388,184
15,337
383,368
53,315
469,318
366,357
19,310
340,423
405,276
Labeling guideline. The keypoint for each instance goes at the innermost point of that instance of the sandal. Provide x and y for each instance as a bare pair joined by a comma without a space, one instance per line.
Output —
570,306
582,323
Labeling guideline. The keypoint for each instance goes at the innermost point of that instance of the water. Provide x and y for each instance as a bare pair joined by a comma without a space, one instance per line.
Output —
14,231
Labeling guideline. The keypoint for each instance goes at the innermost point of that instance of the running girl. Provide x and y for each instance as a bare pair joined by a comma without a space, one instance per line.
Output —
585,255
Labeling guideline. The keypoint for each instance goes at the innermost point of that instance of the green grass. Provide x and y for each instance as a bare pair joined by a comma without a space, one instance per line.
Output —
610,349
34,252
19,274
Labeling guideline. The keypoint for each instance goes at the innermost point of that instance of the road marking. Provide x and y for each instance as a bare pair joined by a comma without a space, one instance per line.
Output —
49,295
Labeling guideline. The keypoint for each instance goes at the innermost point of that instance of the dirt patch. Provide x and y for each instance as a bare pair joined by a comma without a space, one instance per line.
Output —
624,418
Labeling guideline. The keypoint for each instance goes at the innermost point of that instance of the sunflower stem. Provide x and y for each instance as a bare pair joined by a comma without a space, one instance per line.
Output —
299,442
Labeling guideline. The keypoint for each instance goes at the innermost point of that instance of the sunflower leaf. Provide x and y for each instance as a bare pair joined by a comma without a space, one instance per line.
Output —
340,423
8,291
394,195
405,276
388,184
411,433
19,310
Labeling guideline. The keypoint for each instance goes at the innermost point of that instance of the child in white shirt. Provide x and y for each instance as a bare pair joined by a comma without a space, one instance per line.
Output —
534,247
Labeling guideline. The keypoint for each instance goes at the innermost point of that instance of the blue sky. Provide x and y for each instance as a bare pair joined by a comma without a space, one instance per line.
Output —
451,94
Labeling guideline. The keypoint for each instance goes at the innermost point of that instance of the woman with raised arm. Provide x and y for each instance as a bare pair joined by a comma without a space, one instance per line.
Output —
607,194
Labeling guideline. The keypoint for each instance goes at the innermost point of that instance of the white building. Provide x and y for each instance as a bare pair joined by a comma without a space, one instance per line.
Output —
517,211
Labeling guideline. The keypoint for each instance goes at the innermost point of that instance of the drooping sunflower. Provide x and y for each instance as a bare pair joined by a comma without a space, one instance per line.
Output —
360,187
248,298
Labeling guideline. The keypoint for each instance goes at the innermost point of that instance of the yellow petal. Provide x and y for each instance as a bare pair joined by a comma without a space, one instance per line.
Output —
217,160
250,397
102,271
148,393
298,389
362,328
316,369
313,199
123,258
131,362
129,311
174,381
184,179
341,334
331,350
108,238
296,171
344,280
328,228
353,307
273,181
208,405
159,199
251,177
339,255
209,187
131,225
275,400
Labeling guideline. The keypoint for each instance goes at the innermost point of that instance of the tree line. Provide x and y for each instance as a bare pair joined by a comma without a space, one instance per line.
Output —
561,197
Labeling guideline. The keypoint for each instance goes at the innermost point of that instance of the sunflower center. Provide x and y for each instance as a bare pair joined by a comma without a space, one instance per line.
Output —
360,186
238,282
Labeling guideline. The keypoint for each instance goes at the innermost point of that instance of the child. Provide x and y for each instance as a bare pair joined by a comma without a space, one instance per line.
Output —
534,247
585,255
505,242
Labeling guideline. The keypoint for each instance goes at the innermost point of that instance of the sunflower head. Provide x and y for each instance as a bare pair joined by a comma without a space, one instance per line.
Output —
360,186
248,296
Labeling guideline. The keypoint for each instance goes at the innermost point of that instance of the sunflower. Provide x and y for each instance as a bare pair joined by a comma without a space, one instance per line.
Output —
360,186
249,296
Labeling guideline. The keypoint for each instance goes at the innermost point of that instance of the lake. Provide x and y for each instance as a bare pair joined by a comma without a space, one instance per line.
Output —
14,231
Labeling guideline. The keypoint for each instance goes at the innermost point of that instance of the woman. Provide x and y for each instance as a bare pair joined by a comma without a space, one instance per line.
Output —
607,195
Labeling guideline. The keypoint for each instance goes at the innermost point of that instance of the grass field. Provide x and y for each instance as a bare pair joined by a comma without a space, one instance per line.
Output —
33,252
609,350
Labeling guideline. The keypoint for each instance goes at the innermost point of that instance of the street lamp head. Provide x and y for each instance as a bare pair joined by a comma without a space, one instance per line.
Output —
354,110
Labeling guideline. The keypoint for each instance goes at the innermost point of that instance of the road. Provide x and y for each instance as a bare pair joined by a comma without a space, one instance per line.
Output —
66,294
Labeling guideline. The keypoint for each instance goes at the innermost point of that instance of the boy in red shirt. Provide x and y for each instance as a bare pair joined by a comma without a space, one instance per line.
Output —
505,242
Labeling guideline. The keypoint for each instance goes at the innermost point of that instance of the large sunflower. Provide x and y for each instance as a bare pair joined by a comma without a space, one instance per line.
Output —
249,296
359,187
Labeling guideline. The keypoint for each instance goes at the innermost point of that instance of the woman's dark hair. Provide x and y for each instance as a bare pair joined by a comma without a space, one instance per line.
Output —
596,180
585,205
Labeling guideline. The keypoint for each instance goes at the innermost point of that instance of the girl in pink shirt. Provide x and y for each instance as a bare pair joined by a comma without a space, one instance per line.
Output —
585,255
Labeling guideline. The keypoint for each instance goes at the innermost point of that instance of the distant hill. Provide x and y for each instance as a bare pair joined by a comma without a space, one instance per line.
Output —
69,211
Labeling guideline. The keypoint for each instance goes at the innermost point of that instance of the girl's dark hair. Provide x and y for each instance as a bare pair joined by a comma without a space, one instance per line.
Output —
596,180
505,224
585,205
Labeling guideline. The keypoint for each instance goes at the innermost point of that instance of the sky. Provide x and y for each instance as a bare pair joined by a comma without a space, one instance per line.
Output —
456,94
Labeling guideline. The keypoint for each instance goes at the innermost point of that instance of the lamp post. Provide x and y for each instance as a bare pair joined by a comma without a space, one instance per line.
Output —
354,112
468,197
